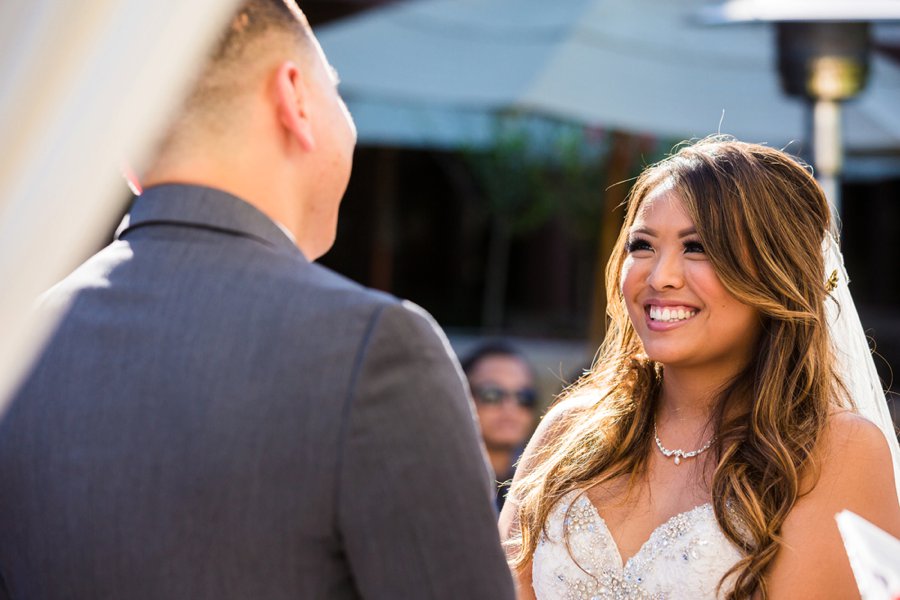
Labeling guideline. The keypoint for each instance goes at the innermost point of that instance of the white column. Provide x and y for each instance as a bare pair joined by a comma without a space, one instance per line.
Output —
828,150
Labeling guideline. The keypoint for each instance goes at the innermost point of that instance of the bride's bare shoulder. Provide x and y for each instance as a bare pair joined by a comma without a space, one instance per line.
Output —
855,468
568,411
560,418
851,443
844,425
854,472
564,414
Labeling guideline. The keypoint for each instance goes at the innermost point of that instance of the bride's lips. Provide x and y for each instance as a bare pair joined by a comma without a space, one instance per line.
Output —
682,312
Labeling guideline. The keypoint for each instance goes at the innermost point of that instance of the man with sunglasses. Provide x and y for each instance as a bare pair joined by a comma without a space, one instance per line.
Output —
502,381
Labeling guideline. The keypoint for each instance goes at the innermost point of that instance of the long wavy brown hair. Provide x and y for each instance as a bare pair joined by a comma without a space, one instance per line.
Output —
762,219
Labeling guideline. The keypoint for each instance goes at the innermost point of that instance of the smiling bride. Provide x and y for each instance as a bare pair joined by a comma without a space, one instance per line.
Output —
720,430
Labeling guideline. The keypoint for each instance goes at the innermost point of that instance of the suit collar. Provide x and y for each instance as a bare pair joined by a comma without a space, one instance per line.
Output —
206,208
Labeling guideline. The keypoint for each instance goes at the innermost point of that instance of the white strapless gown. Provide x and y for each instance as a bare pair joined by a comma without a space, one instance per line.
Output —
685,557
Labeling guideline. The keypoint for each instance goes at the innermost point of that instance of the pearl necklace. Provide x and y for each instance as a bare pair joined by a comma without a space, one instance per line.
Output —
678,453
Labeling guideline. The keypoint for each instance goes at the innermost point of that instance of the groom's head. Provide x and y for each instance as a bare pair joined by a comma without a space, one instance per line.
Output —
264,121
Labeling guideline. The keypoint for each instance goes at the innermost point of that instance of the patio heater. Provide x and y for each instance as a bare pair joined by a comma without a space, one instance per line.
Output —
823,51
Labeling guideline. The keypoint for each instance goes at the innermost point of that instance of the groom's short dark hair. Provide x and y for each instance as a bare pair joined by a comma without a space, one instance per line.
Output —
256,18
259,31
253,32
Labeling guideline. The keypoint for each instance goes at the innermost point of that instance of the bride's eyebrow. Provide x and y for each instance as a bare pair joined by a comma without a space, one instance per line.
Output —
652,232
644,230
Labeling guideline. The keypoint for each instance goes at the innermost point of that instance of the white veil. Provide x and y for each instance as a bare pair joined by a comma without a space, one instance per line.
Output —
854,357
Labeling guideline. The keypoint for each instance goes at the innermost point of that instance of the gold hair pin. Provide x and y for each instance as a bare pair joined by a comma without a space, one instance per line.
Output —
832,281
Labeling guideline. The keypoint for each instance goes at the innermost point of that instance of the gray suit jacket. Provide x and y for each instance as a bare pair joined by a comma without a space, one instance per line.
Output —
216,417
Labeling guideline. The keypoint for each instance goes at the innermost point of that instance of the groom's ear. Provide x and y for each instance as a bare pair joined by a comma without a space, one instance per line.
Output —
293,101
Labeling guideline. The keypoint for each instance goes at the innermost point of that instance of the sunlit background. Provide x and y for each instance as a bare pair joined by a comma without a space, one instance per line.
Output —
498,139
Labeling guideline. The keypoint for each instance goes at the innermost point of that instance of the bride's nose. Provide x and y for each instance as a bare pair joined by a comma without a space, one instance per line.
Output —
667,272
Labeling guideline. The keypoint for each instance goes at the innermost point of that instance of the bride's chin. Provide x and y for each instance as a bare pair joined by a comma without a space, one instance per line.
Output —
671,350
670,357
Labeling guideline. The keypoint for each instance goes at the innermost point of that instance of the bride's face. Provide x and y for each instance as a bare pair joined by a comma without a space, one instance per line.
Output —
679,308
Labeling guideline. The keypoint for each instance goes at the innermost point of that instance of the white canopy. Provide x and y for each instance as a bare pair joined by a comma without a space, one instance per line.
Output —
432,72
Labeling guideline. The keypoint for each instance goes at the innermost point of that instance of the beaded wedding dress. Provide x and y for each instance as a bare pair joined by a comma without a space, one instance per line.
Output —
685,557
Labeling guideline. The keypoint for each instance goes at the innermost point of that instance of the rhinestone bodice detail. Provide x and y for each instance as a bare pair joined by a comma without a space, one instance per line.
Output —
685,557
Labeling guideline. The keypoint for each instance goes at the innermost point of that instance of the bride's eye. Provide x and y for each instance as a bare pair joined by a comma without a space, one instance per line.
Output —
694,246
637,244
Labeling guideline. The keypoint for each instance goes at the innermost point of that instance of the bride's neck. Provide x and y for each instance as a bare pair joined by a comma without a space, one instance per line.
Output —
689,395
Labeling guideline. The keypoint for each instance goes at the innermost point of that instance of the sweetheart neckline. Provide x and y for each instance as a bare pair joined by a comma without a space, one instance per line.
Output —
625,564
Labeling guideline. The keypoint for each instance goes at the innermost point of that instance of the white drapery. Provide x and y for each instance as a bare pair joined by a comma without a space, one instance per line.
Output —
83,85
430,73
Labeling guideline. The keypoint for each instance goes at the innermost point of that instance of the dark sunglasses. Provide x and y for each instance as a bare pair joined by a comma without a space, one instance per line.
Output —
493,395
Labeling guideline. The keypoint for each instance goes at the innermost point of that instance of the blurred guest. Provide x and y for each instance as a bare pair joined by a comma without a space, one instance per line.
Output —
503,386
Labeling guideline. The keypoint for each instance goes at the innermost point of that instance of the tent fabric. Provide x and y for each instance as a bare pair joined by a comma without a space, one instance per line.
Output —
645,66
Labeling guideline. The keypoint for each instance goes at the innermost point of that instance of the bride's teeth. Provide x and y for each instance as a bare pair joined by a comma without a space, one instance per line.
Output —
670,314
